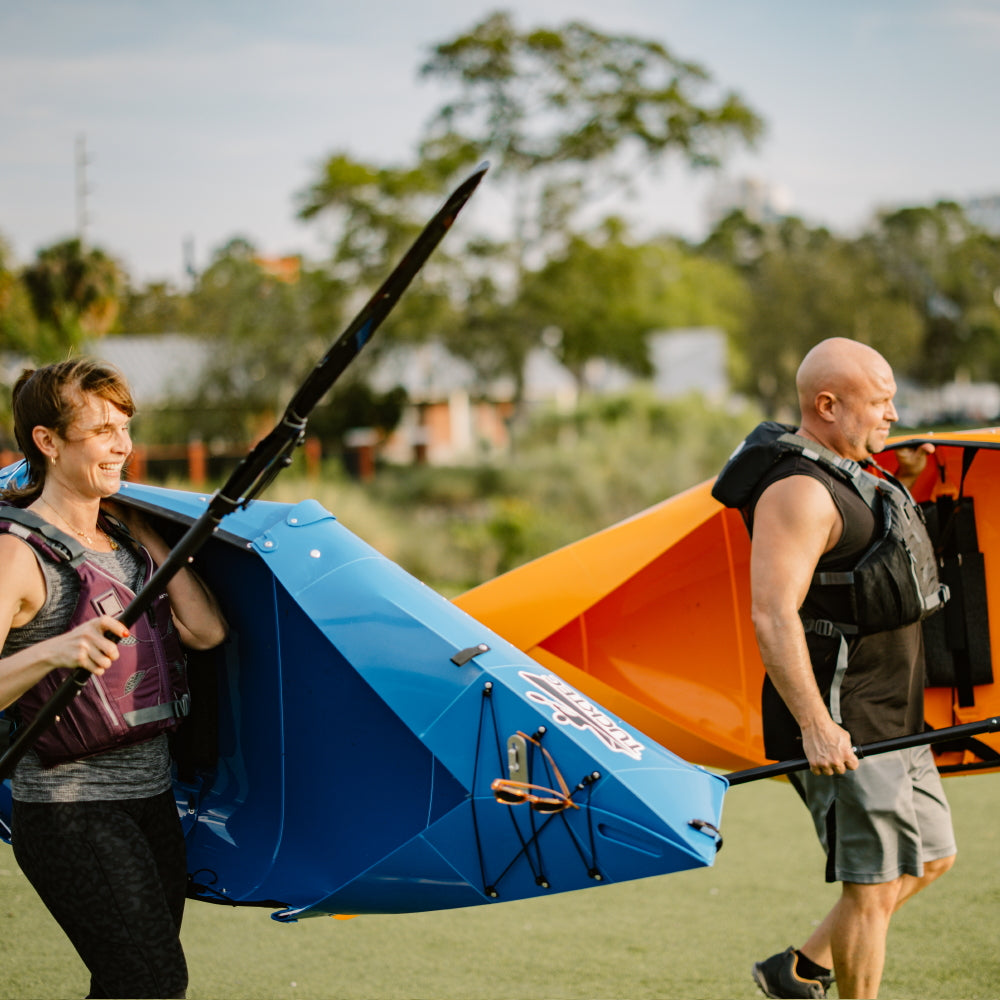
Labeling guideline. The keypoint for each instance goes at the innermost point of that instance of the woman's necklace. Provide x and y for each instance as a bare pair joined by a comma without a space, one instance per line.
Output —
76,531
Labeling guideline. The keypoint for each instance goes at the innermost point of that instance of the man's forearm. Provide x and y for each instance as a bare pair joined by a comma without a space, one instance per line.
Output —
782,642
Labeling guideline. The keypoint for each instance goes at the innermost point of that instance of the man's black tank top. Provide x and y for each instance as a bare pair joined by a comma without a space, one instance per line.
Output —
881,695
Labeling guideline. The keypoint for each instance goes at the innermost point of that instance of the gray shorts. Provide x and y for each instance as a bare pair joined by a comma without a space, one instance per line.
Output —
884,820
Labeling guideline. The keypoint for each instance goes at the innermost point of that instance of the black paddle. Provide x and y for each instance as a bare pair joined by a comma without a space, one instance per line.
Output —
268,457
869,750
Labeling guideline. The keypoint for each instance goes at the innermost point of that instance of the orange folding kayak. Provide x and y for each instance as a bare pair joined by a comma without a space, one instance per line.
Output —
651,617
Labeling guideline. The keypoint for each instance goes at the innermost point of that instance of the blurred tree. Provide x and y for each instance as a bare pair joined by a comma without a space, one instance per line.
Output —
561,113
356,405
948,271
156,307
18,328
373,215
266,332
805,285
75,294
689,288
545,103
736,240
493,332
594,301
374,209
18,324
604,295
566,115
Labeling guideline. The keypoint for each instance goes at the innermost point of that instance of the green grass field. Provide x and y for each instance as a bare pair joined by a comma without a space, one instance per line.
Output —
691,935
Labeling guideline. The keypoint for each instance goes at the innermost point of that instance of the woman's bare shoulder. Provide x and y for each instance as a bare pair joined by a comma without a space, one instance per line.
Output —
22,584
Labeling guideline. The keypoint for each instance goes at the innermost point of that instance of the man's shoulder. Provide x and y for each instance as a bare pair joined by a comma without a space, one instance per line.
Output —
797,489
801,469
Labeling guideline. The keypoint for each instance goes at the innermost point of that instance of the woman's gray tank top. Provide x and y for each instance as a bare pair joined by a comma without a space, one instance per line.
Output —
131,772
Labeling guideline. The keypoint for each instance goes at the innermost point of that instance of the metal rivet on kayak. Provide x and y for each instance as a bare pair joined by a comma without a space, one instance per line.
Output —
315,553
269,544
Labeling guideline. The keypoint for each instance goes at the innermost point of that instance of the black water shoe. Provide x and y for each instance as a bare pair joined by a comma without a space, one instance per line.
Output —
777,977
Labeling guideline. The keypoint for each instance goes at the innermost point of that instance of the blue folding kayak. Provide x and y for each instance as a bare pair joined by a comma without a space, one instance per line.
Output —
344,740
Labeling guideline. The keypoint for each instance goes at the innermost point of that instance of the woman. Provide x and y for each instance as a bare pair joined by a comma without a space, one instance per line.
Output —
95,826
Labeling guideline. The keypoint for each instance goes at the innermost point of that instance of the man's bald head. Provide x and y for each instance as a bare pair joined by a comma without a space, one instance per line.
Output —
843,386
837,365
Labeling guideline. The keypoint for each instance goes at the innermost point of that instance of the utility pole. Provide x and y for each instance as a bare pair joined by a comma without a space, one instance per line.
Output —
82,190
190,270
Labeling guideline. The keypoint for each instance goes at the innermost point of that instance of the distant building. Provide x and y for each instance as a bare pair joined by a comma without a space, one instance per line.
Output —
759,200
692,360
160,368
959,402
287,269
452,415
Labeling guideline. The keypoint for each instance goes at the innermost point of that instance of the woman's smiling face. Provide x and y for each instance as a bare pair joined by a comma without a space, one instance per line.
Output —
96,446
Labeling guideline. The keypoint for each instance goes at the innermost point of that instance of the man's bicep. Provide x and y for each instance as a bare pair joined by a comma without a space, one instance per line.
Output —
794,521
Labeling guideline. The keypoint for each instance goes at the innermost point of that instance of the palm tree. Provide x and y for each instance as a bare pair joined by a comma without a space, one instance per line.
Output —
75,293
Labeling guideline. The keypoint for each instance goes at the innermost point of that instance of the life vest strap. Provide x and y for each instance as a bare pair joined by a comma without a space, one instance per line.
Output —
830,629
178,709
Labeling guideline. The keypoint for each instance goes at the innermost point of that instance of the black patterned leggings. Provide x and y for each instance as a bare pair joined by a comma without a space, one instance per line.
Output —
113,874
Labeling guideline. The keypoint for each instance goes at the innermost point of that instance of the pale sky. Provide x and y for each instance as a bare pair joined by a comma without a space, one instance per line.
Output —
203,118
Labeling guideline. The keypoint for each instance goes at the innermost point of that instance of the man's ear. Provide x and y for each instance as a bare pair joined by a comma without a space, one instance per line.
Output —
825,404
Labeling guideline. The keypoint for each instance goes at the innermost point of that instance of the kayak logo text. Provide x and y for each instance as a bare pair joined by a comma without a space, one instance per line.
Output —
569,707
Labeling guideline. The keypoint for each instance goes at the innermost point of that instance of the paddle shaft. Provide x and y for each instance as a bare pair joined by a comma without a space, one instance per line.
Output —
870,750
266,458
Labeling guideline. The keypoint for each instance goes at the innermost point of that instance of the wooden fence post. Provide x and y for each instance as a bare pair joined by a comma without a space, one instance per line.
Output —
137,464
313,448
196,462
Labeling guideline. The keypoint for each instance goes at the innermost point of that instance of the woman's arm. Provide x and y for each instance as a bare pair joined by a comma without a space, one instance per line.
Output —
22,593
195,610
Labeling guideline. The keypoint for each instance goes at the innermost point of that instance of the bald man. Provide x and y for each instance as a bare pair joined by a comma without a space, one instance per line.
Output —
883,821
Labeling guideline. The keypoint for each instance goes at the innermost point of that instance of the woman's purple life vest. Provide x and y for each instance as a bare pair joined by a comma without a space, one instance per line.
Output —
144,692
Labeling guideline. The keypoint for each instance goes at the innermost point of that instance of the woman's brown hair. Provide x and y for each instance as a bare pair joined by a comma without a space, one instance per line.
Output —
49,397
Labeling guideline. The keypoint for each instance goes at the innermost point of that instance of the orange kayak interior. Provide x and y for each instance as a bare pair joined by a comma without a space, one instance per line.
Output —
651,617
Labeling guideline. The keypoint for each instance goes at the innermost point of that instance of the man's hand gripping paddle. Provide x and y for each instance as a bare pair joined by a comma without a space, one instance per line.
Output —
870,749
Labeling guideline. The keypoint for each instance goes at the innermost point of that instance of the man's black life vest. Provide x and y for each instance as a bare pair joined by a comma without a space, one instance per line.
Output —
144,692
895,582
